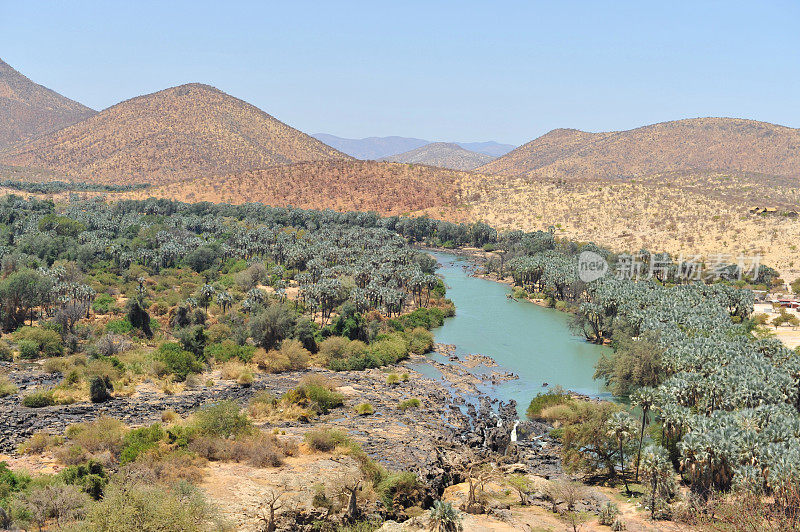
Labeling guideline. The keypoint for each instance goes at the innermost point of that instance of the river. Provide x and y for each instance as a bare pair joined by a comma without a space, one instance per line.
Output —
532,341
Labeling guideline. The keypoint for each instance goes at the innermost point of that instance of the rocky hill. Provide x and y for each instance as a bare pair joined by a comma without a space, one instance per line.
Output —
28,109
699,144
443,155
182,132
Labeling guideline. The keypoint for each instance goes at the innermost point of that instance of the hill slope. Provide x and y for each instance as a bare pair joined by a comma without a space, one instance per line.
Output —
28,109
698,144
388,188
443,155
187,131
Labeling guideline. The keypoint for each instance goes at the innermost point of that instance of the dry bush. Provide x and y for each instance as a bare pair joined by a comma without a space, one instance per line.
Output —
233,369
102,434
261,450
39,443
211,448
168,468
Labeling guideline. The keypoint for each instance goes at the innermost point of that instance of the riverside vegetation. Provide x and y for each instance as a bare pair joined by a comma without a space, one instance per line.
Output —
110,297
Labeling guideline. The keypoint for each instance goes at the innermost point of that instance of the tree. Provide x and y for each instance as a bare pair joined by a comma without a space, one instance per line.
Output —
20,293
206,293
586,443
268,508
570,493
622,427
194,340
658,475
644,398
633,364
272,325
99,389
522,485
201,259
138,316
224,300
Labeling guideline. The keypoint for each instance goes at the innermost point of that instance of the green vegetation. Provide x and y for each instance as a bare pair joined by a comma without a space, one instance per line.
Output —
364,409
545,400
406,404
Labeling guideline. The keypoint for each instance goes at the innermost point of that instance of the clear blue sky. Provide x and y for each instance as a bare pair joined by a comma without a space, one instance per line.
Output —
466,71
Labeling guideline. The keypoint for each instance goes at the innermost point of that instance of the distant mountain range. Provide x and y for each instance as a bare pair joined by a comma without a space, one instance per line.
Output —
373,148
28,109
696,144
183,132
444,155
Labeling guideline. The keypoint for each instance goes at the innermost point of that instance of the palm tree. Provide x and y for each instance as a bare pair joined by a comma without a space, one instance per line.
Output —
622,427
642,398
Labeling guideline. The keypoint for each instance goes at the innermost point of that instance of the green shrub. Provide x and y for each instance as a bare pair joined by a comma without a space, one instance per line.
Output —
150,507
122,326
408,403
228,349
35,342
91,477
364,409
99,389
223,419
39,399
315,393
11,482
6,354
420,341
399,490
28,349
392,379
543,401
103,303
7,387
427,318
177,361
137,441
325,440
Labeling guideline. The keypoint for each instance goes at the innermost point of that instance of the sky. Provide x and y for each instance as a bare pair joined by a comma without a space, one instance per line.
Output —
438,70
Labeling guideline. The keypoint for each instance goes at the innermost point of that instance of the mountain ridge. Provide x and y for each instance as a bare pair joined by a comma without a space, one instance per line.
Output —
190,130
692,144
443,155
376,148
28,109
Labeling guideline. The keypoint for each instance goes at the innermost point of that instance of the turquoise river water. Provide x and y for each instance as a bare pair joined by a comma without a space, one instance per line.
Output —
532,341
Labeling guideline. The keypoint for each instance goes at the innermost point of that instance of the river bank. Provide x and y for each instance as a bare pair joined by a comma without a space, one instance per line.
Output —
529,341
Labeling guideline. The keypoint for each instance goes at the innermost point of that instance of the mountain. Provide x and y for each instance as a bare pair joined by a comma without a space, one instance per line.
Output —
374,148
495,149
192,130
387,188
443,155
371,148
28,109
697,144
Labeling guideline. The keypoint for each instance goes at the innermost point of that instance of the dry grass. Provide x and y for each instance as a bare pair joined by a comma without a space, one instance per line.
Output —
388,188
704,214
